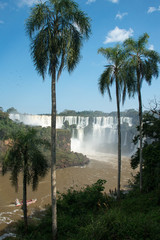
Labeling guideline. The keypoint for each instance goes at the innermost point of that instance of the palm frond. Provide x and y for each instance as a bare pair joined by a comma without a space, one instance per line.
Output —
130,44
73,48
124,94
62,64
39,167
39,17
105,81
106,52
83,23
118,57
142,41
40,51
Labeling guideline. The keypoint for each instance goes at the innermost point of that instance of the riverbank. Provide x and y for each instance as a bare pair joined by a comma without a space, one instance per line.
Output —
70,159
67,159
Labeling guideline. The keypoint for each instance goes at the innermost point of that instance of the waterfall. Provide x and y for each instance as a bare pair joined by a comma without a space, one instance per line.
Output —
32,120
89,133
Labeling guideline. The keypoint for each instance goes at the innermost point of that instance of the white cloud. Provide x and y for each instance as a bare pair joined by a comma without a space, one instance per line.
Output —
26,2
121,15
151,47
118,35
114,1
153,9
90,1
2,5
29,3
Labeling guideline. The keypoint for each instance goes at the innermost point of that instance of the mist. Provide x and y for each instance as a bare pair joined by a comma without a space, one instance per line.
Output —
89,134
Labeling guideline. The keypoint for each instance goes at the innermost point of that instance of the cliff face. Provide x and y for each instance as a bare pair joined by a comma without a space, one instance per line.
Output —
66,158
63,140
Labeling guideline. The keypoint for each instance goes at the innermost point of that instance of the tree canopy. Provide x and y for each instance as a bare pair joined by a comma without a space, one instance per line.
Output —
57,29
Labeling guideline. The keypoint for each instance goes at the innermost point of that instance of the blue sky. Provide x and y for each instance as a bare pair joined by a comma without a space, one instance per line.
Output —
112,21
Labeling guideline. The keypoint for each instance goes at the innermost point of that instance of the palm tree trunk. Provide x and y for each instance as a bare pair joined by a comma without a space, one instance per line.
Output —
25,195
53,158
140,132
119,142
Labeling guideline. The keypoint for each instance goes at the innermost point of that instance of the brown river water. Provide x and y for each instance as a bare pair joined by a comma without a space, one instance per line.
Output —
102,166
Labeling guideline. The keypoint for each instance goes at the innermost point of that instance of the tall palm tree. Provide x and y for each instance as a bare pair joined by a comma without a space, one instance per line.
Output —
144,63
57,29
115,72
24,156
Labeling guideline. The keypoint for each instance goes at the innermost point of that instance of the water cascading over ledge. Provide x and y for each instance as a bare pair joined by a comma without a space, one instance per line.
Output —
89,134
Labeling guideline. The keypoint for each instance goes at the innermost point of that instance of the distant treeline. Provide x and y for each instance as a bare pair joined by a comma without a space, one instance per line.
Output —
127,113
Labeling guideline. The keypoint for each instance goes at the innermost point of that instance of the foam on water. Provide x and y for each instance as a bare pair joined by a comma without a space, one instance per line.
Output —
7,235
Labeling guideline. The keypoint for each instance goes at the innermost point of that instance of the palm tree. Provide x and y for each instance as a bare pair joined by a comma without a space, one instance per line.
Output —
115,72
144,63
57,29
24,155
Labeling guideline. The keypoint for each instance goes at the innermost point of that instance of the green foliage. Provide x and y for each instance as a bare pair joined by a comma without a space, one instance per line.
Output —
116,71
115,225
66,125
24,155
83,113
67,112
150,152
90,197
143,62
12,110
128,113
7,130
90,214
57,30
7,126
68,159
144,65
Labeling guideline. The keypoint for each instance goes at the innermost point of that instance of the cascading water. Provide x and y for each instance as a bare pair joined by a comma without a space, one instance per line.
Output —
89,134
32,120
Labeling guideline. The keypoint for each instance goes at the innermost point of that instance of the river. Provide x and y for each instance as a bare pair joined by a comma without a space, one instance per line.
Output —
101,166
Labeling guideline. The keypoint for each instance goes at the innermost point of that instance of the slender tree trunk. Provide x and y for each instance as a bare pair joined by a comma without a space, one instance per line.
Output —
53,158
119,142
25,195
140,130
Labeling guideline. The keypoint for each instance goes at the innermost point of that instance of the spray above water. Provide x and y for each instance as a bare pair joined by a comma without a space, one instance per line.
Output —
89,134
